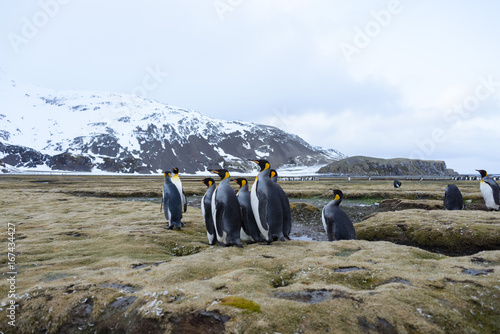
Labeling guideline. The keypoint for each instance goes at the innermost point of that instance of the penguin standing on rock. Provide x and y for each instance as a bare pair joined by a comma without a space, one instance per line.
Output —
287,215
206,210
453,199
249,230
177,181
490,191
266,204
226,212
338,226
171,201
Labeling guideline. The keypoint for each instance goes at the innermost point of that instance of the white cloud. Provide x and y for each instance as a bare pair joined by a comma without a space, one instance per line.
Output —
283,55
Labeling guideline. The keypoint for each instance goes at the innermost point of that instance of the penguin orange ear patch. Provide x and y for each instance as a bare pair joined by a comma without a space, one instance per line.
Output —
337,197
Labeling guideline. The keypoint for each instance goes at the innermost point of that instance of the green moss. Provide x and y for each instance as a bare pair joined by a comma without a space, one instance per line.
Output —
175,249
359,280
424,255
346,252
241,303
280,276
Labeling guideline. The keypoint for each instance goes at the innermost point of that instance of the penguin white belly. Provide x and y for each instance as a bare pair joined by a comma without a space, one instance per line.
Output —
203,206
214,216
210,238
323,219
487,192
255,208
244,236
169,215
177,182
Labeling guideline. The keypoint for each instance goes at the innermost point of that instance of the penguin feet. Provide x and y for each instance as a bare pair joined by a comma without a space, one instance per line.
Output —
237,245
174,227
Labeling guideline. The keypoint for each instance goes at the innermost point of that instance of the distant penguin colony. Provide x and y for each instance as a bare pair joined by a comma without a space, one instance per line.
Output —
337,225
490,191
453,199
172,203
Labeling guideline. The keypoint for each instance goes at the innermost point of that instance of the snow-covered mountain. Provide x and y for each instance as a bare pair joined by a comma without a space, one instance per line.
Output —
87,131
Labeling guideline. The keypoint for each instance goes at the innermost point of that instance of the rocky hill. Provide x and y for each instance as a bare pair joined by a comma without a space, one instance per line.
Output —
85,131
360,165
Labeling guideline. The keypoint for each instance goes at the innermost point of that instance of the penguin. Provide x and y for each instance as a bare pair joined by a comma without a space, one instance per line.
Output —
490,190
177,181
397,183
172,204
206,210
249,230
453,199
266,204
287,215
338,226
226,212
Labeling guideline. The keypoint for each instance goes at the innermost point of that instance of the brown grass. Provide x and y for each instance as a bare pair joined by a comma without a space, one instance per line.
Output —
97,262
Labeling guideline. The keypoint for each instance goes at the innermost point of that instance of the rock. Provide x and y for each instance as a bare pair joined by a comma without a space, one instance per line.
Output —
304,213
360,165
405,204
448,232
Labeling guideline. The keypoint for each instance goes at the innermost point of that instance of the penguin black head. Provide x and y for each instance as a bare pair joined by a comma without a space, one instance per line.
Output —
273,173
175,170
337,196
208,181
241,181
263,164
482,172
223,173
167,173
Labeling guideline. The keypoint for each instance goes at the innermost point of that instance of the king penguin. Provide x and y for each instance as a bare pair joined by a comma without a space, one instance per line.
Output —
206,210
177,181
172,204
397,183
226,211
266,204
337,224
453,199
490,190
287,215
249,230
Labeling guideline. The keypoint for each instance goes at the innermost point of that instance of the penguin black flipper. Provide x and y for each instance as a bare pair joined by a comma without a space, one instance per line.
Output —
244,219
184,200
263,211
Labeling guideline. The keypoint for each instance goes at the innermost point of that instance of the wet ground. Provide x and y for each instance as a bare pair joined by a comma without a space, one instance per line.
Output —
304,226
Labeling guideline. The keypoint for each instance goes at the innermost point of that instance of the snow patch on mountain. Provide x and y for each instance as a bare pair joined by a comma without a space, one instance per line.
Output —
122,133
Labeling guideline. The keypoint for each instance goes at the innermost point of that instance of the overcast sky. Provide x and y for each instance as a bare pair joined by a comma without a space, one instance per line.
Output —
392,78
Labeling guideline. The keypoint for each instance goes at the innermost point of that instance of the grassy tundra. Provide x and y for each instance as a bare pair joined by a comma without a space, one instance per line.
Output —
90,260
